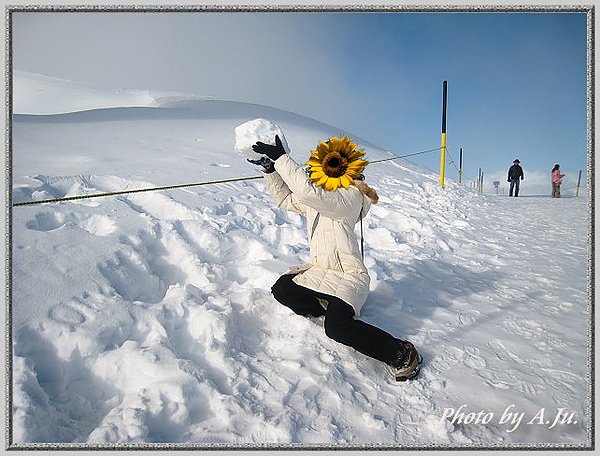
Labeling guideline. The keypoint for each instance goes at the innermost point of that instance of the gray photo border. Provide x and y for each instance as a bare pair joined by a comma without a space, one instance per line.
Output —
590,12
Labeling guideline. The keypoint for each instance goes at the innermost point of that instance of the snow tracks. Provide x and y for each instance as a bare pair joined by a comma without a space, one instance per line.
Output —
148,318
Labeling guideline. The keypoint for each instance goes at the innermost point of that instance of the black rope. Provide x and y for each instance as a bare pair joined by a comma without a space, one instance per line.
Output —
172,187
138,190
405,156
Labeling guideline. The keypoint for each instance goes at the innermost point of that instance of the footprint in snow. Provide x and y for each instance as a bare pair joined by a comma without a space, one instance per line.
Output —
131,276
468,318
473,358
97,225
495,380
66,314
528,388
71,313
445,361
499,349
46,221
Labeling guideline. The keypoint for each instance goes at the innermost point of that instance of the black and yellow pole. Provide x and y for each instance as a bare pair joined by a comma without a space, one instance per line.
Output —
443,147
578,183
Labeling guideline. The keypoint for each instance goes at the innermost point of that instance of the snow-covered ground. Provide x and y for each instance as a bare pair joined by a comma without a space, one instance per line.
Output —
148,317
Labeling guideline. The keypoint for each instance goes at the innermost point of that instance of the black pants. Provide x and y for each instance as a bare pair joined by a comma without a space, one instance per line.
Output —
340,324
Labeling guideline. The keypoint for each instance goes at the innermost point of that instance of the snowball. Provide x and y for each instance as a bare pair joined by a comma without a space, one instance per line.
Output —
255,130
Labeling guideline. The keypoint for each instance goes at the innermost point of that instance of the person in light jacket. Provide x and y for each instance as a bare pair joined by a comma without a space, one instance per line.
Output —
556,179
335,282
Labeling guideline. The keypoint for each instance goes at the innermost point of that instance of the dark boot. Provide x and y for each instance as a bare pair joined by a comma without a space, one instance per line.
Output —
406,366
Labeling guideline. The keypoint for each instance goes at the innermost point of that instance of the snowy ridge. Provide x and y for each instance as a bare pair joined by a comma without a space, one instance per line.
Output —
43,95
182,142
148,317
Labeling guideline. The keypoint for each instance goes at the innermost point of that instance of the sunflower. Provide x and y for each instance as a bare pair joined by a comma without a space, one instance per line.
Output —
336,163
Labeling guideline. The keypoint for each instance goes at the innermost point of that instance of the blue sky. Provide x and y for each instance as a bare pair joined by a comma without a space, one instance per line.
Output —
516,81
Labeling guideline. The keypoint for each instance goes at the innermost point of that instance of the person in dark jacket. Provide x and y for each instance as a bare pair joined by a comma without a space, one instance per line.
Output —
515,176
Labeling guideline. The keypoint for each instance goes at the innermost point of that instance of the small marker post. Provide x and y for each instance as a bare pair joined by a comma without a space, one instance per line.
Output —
460,169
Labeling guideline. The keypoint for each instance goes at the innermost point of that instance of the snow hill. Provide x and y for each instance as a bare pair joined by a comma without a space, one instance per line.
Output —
148,318
39,94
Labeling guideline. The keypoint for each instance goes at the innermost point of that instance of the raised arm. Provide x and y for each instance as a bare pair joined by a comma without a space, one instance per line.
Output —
281,193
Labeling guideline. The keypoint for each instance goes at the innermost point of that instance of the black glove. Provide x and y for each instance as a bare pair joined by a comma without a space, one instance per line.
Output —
273,152
266,163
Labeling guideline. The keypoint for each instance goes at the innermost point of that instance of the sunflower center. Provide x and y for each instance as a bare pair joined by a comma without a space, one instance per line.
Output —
334,164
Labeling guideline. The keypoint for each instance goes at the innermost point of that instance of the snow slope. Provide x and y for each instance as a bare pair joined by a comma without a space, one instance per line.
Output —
39,94
148,317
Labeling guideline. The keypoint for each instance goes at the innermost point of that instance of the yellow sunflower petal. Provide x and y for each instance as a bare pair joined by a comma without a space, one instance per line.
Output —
356,154
358,164
347,143
353,174
317,174
322,180
332,183
334,144
322,150
346,181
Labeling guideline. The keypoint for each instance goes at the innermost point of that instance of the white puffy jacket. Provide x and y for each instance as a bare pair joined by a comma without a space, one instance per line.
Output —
335,266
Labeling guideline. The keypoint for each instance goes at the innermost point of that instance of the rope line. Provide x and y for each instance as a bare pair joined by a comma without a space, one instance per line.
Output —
178,186
138,190
404,156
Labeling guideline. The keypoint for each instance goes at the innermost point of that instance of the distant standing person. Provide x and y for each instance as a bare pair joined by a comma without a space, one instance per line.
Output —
515,176
556,178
